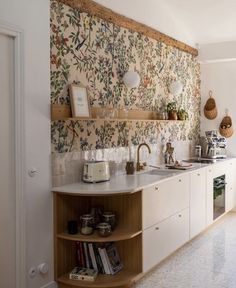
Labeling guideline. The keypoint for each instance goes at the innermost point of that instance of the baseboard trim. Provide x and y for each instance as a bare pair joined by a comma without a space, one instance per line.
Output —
52,284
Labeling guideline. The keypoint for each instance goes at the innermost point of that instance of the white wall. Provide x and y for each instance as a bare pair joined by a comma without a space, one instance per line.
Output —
33,17
217,52
154,13
220,77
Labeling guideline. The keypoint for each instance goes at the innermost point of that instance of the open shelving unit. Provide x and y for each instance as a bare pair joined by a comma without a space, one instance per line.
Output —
122,279
117,235
63,112
127,237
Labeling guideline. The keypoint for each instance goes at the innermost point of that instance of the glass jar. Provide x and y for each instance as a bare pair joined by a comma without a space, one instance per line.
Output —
104,229
198,151
110,218
87,223
160,115
97,212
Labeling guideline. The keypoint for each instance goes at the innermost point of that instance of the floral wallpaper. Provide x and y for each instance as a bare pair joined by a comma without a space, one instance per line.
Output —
88,50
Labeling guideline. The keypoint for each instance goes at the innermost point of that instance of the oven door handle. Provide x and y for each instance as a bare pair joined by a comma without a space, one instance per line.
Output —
221,185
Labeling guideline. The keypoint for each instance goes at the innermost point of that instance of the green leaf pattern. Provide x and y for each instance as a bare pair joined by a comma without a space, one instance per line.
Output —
88,50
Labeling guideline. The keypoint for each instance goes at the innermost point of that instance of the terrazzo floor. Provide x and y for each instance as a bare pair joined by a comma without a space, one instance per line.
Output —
208,261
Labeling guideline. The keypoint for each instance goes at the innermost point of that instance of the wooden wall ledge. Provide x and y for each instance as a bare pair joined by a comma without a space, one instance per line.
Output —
102,12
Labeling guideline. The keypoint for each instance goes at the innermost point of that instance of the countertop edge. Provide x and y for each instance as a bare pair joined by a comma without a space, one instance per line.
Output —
135,183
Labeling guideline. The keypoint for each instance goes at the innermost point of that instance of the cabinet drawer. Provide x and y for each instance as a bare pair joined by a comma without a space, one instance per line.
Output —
165,199
162,239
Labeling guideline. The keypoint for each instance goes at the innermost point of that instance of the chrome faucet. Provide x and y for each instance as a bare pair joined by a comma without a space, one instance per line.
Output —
139,166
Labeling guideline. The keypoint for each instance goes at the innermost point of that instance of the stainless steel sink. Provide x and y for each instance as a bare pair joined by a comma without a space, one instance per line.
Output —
203,161
164,172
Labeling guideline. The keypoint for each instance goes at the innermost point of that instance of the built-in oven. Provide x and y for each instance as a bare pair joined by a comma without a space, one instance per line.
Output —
219,196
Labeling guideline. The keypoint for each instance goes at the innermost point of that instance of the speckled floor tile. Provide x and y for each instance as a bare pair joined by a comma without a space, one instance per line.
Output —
208,261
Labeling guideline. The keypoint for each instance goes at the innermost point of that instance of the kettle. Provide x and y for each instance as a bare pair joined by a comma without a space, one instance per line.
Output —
96,171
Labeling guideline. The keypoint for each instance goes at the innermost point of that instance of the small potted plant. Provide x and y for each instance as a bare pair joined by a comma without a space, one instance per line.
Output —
172,111
182,114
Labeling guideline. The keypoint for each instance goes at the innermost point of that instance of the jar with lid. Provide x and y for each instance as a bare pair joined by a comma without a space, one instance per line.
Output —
96,212
198,151
87,224
104,229
110,218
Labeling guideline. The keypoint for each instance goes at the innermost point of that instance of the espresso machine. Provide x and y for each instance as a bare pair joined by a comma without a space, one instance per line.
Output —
213,145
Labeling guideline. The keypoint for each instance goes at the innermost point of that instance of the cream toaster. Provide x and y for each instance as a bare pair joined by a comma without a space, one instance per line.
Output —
96,171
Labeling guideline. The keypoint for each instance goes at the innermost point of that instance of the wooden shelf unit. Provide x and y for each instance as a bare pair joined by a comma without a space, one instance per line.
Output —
62,112
119,120
127,235
117,235
122,279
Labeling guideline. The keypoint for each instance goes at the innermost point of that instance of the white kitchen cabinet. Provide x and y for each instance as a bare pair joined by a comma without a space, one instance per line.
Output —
165,199
220,168
226,168
197,201
209,195
230,186
163,238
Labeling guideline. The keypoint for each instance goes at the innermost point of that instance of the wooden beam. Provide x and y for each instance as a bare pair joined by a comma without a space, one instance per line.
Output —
102,12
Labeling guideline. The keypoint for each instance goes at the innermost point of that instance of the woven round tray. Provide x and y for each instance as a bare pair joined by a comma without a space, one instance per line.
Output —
226,127
210,110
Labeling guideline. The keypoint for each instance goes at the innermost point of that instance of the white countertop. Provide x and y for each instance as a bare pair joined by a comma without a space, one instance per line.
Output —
119,184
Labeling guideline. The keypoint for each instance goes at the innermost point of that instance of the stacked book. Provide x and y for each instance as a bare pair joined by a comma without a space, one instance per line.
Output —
103,258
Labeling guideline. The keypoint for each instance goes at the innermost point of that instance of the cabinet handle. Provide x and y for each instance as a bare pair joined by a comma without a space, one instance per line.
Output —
180,215
180,180
198,174
157,228
156,188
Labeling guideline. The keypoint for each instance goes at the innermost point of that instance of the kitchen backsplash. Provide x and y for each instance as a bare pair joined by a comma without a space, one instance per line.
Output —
95,53
67,167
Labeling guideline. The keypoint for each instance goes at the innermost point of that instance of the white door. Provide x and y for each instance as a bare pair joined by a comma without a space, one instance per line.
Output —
7,166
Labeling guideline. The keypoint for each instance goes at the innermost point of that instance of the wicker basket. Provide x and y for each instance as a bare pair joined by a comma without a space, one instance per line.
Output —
210,110
226,127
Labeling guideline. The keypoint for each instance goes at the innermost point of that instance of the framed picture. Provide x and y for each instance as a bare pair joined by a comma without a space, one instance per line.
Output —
79,101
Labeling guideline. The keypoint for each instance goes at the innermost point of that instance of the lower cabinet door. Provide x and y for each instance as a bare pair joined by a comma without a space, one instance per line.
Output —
165,237
230,186
209,195
197,202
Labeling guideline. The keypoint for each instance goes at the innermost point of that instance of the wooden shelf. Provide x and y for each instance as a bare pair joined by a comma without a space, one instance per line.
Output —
127,237
63,112
117,235
118,120
121,279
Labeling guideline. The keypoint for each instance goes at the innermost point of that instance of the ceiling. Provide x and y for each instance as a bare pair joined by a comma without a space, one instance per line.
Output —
190,21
